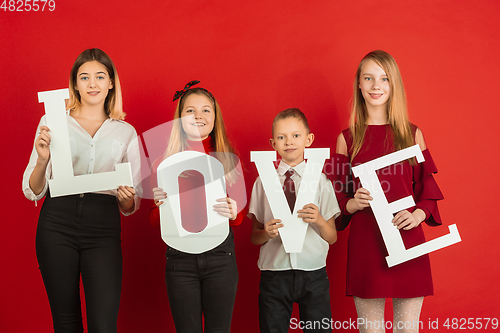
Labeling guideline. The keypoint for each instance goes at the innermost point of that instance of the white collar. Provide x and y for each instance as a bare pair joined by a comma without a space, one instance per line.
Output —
298,169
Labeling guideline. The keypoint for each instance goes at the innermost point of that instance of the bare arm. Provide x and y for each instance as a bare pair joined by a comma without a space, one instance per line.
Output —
261,233
310,214
419,139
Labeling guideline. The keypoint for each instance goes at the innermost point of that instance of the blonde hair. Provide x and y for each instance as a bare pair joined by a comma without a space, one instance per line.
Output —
397,112
225,151
113,103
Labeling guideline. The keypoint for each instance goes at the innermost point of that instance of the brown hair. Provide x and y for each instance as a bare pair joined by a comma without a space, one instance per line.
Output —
225,150
397,112
292,113
113,103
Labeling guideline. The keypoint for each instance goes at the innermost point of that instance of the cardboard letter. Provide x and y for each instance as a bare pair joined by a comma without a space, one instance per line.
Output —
384,211
172,231
294,229
64,181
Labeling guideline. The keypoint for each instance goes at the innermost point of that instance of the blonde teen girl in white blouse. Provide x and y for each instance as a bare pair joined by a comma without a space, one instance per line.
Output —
79,235
88,123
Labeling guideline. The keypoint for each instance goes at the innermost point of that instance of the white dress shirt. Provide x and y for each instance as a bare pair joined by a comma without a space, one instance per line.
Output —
313,256
115,142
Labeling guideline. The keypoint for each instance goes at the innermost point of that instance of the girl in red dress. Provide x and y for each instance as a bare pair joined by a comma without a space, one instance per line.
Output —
379,125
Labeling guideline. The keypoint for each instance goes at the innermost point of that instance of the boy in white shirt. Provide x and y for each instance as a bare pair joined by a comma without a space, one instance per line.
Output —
288,278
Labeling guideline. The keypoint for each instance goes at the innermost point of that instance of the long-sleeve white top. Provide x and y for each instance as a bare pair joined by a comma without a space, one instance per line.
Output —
115,142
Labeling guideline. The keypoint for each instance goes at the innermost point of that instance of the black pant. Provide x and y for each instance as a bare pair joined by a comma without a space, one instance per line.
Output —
280,289
80,234
202,283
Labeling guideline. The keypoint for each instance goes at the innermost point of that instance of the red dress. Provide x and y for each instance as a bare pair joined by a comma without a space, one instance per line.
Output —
368,275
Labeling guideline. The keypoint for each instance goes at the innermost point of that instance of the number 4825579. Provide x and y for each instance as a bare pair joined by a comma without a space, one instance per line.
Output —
471,323
28,5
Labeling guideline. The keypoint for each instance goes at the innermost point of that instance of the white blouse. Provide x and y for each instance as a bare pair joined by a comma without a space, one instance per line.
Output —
115,142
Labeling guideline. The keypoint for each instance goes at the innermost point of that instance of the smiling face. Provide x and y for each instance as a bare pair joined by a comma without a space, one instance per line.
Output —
374,86
290,138
197,117
93,83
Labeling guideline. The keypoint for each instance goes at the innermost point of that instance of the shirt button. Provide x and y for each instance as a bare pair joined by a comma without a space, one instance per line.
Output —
81,195
91,145
91,159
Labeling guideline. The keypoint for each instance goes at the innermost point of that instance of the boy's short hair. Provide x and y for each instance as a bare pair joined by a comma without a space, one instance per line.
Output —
292,113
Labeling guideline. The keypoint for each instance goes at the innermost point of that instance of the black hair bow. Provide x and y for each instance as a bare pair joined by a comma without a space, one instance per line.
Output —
180,93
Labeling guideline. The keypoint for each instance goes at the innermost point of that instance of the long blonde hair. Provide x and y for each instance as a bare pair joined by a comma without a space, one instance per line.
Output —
397,112
113,103
222,146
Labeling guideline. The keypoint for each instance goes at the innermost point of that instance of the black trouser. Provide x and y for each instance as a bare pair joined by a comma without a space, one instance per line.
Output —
202,283
80,234
280,289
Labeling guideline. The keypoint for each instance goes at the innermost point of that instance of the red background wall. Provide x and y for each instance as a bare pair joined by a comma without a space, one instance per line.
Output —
260,57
